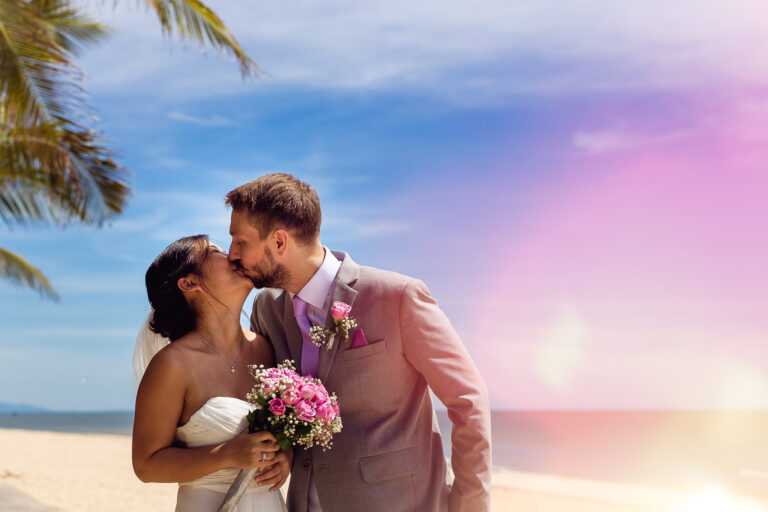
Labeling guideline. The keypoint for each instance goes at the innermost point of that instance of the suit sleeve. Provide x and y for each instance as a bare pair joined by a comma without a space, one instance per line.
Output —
255,324
432,346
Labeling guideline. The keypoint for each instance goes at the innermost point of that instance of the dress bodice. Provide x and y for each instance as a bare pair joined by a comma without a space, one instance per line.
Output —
220,419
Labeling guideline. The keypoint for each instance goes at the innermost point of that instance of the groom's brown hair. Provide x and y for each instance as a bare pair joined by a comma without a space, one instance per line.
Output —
279,200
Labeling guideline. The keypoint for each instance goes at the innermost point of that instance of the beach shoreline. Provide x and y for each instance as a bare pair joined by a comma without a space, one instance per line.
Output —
87,472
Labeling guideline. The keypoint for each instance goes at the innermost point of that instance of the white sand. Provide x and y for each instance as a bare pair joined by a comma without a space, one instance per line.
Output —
78,472
92,472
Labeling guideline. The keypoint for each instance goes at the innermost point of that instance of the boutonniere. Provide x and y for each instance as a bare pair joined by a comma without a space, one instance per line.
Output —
342,323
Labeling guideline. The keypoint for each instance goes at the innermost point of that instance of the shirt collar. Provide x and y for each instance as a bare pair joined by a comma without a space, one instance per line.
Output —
320,285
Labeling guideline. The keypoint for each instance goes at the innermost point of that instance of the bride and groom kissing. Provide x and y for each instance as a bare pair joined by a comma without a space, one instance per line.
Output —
190,424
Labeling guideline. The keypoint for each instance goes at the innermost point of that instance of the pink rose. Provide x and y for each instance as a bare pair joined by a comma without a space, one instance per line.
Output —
336,408
325,412
277,406
321,396
308,391
291,396
340,310
305,410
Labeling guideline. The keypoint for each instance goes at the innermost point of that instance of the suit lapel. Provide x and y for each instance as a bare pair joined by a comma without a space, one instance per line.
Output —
293,336
343,291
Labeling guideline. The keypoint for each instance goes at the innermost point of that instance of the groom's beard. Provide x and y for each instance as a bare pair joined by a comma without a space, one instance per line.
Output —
267,273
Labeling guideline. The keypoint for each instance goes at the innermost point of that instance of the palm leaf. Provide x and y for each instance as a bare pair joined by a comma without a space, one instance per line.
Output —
68,27
40,82
54,168
51,174
18,271
192,19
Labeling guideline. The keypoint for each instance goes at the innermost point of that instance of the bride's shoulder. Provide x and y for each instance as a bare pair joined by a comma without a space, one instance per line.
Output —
171,358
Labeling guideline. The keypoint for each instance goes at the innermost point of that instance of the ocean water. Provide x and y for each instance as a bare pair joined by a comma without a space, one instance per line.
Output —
689,450
82,422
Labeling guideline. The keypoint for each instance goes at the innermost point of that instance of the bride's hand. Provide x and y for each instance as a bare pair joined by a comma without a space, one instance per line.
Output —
278,473
252,450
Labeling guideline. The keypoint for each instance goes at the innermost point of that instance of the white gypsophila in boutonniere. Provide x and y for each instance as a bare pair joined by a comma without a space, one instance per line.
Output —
342,323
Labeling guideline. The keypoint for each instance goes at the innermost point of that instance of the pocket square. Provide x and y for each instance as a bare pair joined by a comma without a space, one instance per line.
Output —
358,339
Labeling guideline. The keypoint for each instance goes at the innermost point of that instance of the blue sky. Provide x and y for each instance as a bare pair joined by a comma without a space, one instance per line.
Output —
545,168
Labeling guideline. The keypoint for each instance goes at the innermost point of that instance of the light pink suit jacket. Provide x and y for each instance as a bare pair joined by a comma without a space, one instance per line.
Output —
389,455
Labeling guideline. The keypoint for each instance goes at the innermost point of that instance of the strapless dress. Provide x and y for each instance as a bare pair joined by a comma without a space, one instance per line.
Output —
220,419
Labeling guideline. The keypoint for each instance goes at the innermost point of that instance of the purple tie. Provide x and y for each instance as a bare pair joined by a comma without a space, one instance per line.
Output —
310,353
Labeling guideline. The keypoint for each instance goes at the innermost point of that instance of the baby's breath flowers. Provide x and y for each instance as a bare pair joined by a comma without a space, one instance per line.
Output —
297,410
342,323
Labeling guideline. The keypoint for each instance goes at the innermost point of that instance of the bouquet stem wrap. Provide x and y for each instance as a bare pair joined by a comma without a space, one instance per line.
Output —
237,489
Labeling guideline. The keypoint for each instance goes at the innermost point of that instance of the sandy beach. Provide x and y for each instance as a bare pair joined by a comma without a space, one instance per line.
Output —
92,472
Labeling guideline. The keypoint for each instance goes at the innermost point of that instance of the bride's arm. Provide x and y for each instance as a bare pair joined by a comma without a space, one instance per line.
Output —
159,403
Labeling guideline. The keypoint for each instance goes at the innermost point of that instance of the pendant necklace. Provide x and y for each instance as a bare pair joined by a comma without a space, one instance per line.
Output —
231,366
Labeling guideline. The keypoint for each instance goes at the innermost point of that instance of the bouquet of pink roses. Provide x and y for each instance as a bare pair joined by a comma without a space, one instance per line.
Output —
297,410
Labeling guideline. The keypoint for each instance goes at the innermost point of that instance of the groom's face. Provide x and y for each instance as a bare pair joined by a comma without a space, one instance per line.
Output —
252,255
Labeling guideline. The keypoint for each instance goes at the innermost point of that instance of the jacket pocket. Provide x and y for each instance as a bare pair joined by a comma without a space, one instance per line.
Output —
378,468
373,347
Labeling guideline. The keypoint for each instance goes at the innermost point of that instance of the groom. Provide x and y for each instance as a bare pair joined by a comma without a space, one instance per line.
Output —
389,455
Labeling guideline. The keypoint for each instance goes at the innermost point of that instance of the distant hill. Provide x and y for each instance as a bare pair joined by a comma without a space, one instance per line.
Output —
4,407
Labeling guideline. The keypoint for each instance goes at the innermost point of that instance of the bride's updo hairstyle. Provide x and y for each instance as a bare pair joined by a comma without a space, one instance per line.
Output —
172,316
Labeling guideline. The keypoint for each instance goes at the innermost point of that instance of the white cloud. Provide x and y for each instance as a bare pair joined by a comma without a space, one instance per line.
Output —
107,283
214,120
357,228
604,141
479,52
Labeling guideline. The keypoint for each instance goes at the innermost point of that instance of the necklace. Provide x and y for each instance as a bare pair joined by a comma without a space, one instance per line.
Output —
231,366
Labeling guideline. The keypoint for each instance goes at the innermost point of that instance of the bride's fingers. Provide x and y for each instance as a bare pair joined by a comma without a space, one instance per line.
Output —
280,482
264,471
253,450
269,448
270,476
278,473
265,437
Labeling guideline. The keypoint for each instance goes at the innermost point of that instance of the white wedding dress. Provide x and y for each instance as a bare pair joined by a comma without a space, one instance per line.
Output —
220,419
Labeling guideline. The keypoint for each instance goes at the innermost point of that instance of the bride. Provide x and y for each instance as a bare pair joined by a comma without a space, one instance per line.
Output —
190,424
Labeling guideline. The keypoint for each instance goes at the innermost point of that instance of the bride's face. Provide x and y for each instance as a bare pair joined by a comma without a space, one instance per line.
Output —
221,276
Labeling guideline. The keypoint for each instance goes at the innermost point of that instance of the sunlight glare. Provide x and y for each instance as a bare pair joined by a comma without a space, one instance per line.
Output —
561,353
716,500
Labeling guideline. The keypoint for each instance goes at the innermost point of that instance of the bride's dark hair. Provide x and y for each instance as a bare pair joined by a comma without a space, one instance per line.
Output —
173,317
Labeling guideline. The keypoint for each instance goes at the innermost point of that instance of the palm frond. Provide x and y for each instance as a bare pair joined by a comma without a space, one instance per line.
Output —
40,81
192,19
67,26
51,174
18,271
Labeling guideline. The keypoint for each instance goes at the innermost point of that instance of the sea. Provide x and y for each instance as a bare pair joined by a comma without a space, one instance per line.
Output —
685,450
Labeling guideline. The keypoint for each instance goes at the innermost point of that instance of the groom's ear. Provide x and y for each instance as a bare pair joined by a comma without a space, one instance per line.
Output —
280,239
186,283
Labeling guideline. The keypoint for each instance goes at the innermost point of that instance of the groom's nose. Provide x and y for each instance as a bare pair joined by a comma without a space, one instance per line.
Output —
233,252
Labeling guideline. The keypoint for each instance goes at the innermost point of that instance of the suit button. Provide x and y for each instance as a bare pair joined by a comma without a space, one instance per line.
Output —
307,463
